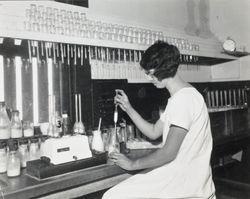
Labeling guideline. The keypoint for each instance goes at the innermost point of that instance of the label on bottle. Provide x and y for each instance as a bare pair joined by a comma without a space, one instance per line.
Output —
15,133
28,132
4,133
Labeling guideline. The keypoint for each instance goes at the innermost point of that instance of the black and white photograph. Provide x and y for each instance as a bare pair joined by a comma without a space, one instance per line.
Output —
124,99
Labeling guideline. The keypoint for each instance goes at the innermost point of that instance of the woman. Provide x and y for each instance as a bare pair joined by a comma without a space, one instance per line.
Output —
181,167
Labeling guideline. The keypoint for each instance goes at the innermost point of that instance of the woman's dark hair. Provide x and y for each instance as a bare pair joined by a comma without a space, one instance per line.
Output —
162,57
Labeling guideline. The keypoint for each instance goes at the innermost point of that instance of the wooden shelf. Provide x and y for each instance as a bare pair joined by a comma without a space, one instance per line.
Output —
236,53
221,109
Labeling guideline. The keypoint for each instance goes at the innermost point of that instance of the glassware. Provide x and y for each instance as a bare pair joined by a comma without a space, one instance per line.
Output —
13,162
34,152
4,122
97,142
3,157
123,137
58,123
65,124
114,145
130,131
23,151
15,125
28,129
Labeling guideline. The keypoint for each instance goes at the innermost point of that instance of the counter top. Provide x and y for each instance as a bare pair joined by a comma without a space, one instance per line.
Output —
69,185
25,186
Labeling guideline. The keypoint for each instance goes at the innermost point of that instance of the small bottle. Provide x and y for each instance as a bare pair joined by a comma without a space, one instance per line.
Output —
3,157
4,122
97,142
15,125
23,151
13,163
34,152
28,129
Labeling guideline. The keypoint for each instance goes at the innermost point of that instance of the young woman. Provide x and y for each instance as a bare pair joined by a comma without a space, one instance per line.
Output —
181,167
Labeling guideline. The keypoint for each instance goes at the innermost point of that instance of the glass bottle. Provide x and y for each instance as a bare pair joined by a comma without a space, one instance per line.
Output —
15,125
3,157
23,151
4,122
58,124
42,141
114,145
28,129
65,124
34,152
13,163
123,137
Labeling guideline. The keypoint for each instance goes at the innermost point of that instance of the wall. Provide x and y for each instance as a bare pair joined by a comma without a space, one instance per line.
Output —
207,19
232,19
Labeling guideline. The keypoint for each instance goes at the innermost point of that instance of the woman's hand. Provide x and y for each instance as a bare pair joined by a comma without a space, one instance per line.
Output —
122,100
121,160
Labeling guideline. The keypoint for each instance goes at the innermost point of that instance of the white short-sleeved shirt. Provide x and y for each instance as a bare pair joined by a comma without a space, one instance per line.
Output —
189,175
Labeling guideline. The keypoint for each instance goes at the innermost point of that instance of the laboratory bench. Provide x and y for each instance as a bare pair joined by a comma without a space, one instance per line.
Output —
69,185
232,180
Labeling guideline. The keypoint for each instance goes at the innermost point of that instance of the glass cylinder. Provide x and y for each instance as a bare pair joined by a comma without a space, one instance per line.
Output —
42,141
4,122
34,152
114,145
3,157
13,162
23,151
65,124
15,125
123,137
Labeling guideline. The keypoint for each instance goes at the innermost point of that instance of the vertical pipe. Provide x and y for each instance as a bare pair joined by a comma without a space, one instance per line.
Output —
19,96
50,85
35,90
1,79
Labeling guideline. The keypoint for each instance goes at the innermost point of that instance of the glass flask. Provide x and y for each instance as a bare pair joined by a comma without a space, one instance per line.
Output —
114,145
34,152
13,162
28,129
4,122
3,157
15,125
23,151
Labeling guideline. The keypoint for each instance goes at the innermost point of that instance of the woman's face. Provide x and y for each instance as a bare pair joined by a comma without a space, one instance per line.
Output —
154,80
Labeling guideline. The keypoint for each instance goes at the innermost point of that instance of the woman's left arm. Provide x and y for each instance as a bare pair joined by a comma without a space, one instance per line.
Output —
159,157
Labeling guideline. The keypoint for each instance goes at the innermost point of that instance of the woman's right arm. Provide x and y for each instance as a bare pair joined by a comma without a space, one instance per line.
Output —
153,131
